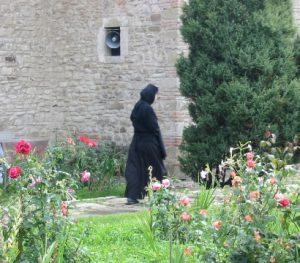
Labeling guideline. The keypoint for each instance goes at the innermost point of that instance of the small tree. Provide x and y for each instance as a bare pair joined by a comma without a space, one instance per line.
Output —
239,76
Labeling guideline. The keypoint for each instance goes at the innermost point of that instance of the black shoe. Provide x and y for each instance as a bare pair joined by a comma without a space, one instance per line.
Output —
131,201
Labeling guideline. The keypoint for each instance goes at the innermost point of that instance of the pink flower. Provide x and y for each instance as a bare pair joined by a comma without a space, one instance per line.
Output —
70,141
64,208
254,195
279,197
249,218
35,181
85,176
166,183
251,163
217,224
156,186
14,172
185,216
249,155
70,190
23,147
188,251
284,202
203,212
185,200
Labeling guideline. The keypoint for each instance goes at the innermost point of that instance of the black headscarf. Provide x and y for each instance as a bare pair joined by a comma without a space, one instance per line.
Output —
148,93
148,96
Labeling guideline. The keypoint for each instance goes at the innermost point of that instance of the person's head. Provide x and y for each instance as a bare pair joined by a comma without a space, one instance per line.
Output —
148,94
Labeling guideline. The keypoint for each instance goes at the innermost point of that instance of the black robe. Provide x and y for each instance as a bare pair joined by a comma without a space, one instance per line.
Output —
147,147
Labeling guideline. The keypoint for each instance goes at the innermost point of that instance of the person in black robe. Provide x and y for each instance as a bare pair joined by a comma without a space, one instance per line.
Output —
146,149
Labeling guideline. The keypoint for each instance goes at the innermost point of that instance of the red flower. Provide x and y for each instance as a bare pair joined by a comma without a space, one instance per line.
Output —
284,202
251,163
14,172
87,141
217,224
82,138
185,200
23,147
185,216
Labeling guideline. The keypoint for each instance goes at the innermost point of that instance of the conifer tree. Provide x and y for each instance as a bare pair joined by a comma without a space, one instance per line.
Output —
239,77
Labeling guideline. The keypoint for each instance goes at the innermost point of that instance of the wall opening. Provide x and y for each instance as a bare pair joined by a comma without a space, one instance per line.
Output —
113,41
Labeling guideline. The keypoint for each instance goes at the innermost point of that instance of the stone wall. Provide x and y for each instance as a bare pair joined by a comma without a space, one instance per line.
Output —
55,79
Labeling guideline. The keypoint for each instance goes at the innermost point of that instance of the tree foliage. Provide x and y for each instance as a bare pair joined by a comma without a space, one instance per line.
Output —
240,76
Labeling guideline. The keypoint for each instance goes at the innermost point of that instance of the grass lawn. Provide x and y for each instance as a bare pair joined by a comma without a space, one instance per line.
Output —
121,238
116,190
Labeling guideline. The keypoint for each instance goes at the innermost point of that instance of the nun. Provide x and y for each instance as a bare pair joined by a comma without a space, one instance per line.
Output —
146,148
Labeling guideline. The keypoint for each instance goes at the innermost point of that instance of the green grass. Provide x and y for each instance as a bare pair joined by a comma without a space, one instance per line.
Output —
121,238
115,190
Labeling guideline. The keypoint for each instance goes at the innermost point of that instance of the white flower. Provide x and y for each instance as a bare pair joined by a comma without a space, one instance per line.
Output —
250,147
203,174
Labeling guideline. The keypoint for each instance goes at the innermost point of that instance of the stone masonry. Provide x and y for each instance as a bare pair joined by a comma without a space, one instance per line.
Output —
56,77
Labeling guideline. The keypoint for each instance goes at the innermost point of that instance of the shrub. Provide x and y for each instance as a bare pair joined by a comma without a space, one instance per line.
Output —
103,161
239,77
258,221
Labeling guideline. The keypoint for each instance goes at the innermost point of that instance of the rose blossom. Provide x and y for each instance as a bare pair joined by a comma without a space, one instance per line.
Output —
254,195
233,174
166,183
156,186
273,181
187,251
257,235
217,224
70,141
226,244
236,181
185,200
227,200
251,164
23,147
249,218
14,172
185,216
203,212
203,174
87,141
279,197
284,202
64,208
249,155
85,176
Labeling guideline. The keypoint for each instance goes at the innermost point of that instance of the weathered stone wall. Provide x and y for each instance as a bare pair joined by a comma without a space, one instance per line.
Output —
55,79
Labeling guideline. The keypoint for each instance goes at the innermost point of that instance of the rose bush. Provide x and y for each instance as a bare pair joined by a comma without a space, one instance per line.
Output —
102,160
35,223
258,221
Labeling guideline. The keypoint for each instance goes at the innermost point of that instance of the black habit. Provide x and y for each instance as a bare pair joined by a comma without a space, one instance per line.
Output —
147,147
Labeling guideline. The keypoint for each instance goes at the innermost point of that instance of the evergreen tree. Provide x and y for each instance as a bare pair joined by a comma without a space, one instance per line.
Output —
239,77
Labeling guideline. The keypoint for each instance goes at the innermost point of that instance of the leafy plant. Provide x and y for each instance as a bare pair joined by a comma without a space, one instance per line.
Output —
103,161
41,198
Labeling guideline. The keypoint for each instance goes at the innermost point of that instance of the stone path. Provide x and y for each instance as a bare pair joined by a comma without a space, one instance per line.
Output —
114,205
